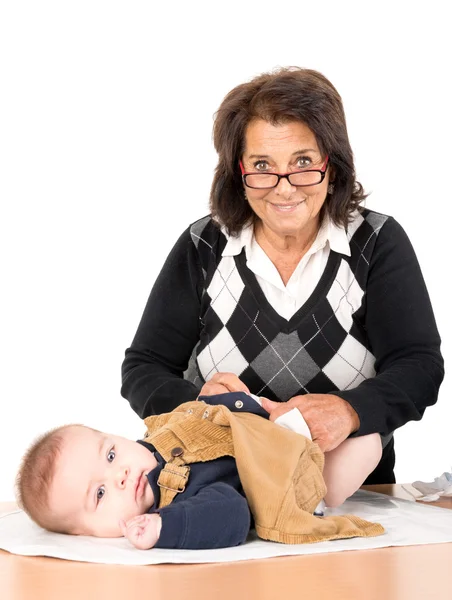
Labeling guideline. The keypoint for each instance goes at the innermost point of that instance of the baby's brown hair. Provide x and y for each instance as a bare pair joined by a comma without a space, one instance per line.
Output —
35,477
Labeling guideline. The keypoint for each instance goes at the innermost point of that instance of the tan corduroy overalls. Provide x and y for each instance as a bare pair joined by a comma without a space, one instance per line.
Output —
280,471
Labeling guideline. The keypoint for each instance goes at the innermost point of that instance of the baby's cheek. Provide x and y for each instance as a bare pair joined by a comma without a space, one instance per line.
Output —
148,498
129,511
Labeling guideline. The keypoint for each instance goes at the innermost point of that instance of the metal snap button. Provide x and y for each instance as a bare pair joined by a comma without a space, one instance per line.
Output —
190,411
177,451
239,404
206,414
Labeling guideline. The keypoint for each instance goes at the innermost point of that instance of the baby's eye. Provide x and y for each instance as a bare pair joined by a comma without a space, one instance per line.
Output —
303,162
100,493
111,455
261,165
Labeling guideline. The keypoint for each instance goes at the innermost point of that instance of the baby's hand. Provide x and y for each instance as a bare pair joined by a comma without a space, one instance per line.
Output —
142,531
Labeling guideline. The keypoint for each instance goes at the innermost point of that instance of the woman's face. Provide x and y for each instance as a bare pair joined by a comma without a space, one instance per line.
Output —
285,210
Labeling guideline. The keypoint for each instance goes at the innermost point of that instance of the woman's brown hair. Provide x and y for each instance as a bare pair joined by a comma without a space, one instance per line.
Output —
288,94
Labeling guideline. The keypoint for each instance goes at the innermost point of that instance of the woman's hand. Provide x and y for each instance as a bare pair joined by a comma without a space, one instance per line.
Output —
222,383
330,419
142,531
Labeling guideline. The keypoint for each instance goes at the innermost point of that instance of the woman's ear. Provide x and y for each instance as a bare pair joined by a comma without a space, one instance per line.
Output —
331,174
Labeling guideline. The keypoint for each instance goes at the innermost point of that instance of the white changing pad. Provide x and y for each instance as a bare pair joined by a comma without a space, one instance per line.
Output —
406,523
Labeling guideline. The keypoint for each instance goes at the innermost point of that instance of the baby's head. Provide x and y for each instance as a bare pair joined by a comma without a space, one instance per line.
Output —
81,481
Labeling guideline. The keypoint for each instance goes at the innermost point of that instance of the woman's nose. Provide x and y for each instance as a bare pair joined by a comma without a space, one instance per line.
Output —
122,476
284,187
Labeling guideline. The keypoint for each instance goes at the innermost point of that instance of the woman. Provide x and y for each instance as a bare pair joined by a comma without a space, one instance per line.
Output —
290,289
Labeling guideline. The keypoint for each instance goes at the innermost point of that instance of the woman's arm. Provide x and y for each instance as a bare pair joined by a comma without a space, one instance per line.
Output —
152,371
404,339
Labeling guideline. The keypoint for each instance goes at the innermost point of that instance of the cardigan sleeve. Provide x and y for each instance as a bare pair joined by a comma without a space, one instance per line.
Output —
152,371
404,339
216,517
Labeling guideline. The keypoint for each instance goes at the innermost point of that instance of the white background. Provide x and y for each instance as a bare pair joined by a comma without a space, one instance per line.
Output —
106,110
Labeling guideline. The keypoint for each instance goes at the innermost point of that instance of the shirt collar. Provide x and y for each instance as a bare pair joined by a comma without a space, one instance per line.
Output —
335,235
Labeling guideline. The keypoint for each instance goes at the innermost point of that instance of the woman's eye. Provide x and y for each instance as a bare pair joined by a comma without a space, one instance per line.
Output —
100,493
304,162
111,455
261,165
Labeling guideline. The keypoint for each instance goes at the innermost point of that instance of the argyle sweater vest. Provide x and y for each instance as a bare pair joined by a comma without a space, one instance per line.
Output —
322,348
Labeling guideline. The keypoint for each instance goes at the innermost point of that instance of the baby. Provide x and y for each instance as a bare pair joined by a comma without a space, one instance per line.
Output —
81,481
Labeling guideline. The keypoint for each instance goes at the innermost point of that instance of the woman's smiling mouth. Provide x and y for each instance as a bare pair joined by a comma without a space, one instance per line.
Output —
285,207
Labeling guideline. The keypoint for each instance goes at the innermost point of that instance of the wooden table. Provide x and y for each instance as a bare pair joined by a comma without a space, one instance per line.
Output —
408,572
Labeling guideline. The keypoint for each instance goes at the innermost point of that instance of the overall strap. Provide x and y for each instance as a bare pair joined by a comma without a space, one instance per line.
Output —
173,477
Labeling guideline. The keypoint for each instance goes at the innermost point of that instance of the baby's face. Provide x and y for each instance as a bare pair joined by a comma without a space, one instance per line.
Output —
99,480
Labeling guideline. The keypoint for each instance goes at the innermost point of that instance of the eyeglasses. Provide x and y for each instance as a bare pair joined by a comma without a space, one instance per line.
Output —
265,181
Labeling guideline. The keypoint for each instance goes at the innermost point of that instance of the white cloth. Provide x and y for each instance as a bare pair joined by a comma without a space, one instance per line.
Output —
287,299
406,523
293,420
433,490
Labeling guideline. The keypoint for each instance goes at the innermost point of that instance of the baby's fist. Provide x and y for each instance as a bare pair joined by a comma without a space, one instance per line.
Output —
142,531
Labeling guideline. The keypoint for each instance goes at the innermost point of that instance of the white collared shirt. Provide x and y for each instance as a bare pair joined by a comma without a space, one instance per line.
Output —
287,299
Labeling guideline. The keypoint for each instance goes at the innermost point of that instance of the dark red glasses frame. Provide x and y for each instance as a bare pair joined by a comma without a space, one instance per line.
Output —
280,176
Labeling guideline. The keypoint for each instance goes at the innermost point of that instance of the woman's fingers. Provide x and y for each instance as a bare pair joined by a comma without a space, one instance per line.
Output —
269,405
230,381
222,383
212,389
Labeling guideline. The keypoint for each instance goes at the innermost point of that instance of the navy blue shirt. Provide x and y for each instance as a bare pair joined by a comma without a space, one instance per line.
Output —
212,511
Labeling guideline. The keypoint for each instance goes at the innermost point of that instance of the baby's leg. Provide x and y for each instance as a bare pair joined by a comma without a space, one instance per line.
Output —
348,465
294,421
